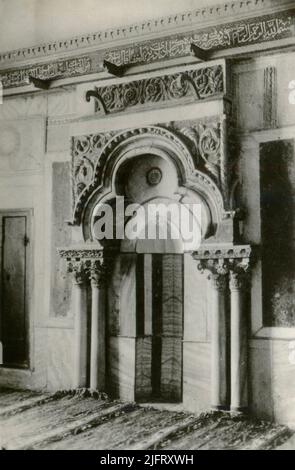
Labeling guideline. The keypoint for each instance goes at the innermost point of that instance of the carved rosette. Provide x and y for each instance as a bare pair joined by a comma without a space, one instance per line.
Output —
87,264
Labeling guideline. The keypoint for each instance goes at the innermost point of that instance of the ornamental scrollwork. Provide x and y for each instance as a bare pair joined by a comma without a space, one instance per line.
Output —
85,157
90,154
196,84
205,142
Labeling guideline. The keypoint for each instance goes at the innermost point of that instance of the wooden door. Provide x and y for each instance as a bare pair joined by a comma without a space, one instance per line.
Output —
14,288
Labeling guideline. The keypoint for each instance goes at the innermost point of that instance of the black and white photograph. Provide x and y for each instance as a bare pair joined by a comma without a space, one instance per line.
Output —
147,228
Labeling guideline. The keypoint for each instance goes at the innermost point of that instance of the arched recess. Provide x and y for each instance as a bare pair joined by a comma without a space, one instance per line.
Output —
130,156
137,143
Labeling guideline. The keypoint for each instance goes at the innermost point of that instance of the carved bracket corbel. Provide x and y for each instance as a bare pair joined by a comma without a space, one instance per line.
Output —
116,70
99,102
200,53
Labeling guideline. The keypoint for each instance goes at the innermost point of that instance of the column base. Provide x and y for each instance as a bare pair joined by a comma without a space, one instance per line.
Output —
239,410
219,408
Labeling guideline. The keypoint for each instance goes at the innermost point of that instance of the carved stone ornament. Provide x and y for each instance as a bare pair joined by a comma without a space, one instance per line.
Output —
197,84
154,176
258,29
87,264
199,145
219,262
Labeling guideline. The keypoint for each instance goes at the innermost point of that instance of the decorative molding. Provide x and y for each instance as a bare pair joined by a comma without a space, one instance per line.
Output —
221,252
246,31
270,97
195,84
81,253
194,18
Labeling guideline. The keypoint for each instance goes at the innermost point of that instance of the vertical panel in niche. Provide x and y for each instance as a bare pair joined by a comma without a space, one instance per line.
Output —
60,236
277,199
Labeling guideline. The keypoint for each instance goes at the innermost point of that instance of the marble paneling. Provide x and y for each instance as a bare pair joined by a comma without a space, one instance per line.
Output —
277,195
195,302
143,379
60,357
196,376
128,295
248,89
171,369
260,382
113,298
22,144
58,137
23,106
283,382
61,284
121,367
172,301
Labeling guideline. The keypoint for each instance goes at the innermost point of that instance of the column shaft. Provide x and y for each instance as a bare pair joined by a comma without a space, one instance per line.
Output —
97,353
80,335
239,385
218,343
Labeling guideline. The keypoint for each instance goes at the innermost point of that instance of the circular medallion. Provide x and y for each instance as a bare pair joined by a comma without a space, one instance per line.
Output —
154,176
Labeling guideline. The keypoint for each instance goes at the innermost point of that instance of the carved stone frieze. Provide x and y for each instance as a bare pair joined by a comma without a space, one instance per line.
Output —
195,84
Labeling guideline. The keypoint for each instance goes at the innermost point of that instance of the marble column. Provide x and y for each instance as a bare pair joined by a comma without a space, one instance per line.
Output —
98,344
239,341
218,283
80,327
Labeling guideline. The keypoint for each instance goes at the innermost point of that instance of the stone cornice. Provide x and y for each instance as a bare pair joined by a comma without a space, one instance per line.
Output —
219,251
173,24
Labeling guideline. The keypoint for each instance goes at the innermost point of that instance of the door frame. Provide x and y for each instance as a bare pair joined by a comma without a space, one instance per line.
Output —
28,213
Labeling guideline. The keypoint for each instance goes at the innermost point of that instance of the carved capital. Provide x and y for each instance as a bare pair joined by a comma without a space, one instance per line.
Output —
240,276
77,269
98,272
218,281
87,263
222,260
217,272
